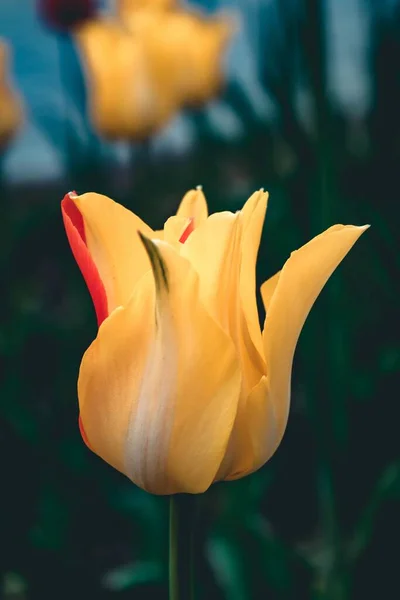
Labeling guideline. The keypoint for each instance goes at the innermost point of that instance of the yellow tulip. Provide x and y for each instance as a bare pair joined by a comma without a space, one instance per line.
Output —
10,108
130,93
189,45
142,70
181,388
196,46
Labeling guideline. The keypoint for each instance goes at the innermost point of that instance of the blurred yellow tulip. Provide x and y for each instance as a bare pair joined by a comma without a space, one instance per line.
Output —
195,47
202,63
143,68
10,107
130,94
181,388
190,44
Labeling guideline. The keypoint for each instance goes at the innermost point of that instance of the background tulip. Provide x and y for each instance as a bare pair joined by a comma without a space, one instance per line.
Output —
128,87
181,388
142,71
191,45
10,107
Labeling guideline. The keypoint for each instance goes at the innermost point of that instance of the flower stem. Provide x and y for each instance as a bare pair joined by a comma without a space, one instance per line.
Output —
181,546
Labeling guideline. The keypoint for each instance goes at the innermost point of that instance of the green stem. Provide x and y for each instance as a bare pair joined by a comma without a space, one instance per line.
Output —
181,547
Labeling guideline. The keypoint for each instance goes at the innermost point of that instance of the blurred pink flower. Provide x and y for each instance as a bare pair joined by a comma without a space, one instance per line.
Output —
64,14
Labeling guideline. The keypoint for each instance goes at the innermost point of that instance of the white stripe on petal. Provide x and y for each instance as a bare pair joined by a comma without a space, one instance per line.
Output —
151,423
150,426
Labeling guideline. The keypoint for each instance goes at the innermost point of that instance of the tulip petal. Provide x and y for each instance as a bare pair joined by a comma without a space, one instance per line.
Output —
188,398
174,228
255,436
75,229
288,297
268,289
191,213
253,215
110,375
194,206
213,249
159,387
294,291
113,243
216,251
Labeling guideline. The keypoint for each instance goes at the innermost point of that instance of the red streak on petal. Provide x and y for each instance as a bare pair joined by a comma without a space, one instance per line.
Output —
72,211
75,229
83,432
189,229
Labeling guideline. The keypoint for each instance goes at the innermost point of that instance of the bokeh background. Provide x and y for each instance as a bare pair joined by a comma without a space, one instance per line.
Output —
309,111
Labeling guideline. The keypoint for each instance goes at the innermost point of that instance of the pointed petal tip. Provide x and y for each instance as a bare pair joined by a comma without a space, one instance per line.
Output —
158,265
360,229
340,226
148,244
357,229
194,204
143,237
261,195
76,234
257,201
264,195
350,232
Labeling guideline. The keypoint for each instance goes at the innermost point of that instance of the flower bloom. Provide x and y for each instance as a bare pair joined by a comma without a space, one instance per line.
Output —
188,45
129,87
143,69
181,388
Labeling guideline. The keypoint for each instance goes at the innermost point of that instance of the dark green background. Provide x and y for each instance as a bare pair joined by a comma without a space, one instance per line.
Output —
322,519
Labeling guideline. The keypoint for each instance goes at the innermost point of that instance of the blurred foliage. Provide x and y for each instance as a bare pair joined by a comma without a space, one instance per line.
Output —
322,519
